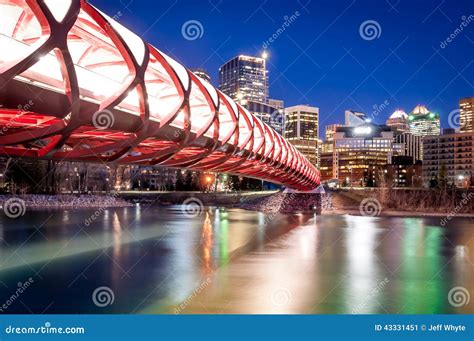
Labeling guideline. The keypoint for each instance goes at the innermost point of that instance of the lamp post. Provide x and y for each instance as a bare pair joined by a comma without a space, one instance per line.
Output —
208,181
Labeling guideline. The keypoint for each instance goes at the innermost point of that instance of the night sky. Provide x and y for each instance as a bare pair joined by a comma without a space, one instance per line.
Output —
321,58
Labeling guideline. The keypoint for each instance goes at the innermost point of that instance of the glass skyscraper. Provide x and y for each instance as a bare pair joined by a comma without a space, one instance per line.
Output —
301,130
244,78
466,115
423,122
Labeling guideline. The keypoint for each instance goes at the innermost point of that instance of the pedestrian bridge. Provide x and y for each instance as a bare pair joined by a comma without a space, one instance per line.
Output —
76,85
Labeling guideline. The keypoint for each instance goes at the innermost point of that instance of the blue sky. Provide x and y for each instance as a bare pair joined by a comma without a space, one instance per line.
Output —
322,58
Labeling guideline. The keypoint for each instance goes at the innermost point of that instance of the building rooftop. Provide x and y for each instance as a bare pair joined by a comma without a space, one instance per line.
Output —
399,113
420,110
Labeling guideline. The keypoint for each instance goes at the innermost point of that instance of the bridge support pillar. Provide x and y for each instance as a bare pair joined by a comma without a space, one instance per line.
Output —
301,203
286,202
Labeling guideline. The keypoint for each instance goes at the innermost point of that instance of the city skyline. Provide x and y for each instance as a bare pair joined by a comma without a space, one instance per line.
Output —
436,75
130,185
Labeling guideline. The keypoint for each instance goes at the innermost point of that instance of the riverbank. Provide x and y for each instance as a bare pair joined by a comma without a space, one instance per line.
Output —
400,202
130,198
60,201
340,202
230,199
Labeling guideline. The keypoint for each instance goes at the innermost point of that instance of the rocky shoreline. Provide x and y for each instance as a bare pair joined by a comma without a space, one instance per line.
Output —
63,201
330,203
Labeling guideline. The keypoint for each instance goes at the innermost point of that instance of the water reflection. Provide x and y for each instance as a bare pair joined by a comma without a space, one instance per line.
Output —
207,243
154,259
117,248
347,265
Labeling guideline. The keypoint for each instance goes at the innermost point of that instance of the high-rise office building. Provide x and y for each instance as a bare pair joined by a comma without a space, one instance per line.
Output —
331,130
354,118
449,156
398,121
326,164
359,151
244,78
276,103
201,73
423,122
410,145
466,114
301,130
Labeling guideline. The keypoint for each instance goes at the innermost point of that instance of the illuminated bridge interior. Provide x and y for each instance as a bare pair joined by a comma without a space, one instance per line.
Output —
76,85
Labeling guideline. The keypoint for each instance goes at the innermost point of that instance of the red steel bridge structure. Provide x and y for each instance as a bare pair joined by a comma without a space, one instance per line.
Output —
76,85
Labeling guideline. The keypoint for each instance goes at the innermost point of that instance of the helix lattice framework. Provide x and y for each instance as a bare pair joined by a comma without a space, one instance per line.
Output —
76,85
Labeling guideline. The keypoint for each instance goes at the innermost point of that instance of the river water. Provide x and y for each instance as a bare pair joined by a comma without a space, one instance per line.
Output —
160,260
